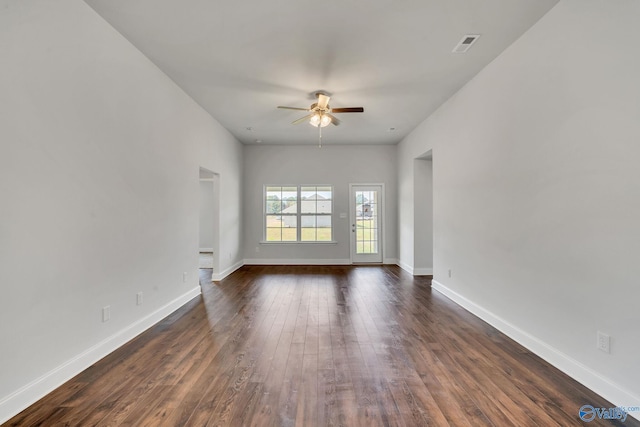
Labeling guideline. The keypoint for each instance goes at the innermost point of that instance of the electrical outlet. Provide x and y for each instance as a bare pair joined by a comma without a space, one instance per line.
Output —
604,342
449,273
139,298
106,313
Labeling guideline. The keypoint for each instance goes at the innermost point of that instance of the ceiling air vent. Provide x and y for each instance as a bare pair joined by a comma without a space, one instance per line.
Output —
466,43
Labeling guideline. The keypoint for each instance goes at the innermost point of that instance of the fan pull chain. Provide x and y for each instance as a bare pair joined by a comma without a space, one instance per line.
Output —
319,136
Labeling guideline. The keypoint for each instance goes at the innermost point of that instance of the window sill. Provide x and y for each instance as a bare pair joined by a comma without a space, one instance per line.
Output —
329,242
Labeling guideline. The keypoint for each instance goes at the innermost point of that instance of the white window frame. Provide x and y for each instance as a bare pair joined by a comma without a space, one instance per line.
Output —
298,215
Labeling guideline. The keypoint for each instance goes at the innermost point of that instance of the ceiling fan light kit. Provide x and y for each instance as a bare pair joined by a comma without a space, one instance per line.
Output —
321,114
320,119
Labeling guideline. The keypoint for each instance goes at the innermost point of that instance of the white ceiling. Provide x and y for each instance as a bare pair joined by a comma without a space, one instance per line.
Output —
240,59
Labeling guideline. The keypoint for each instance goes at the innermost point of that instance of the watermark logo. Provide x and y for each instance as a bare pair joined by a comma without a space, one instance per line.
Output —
589,413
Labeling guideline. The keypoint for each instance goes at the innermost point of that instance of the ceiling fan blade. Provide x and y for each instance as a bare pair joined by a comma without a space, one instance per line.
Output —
348,110
293,108
323,101
334,119
301,119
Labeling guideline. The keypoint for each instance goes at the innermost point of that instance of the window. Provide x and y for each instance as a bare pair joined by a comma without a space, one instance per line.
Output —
298,213
281,212
315,214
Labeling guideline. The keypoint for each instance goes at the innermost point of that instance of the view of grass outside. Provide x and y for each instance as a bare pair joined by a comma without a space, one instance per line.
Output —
315,234
277,232
366,236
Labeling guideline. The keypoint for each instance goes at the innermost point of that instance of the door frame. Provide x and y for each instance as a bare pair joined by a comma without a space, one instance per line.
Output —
207,175
381,222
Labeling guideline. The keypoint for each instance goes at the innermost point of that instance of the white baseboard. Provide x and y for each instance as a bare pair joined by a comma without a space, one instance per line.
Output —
406,267
37,389
216,277
414,271
576,370
273,261
423,271
392,261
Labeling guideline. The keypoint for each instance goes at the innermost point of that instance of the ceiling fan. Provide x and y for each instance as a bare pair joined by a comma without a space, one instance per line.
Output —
321,114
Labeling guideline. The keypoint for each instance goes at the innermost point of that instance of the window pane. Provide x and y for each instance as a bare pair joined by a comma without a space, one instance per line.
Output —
289,221
273,196
317,234
324,206
308,221
289,200
308,193
274,221
274,224
289,207
274,234
324,192
323,235
289,228
308,206
308,234
289,192
273,206
289,235
370,195
323,221
324,228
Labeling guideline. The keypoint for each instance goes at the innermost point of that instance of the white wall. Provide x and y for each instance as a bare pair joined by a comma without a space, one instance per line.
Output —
207,215
536,194
99,160
423,217
331,165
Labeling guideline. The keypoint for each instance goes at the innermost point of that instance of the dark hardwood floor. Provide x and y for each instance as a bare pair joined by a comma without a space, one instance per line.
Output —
316,346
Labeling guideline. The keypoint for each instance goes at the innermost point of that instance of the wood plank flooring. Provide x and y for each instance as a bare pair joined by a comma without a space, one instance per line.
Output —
318,346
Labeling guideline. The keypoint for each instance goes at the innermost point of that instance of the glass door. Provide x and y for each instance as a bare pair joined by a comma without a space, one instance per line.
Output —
366,223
